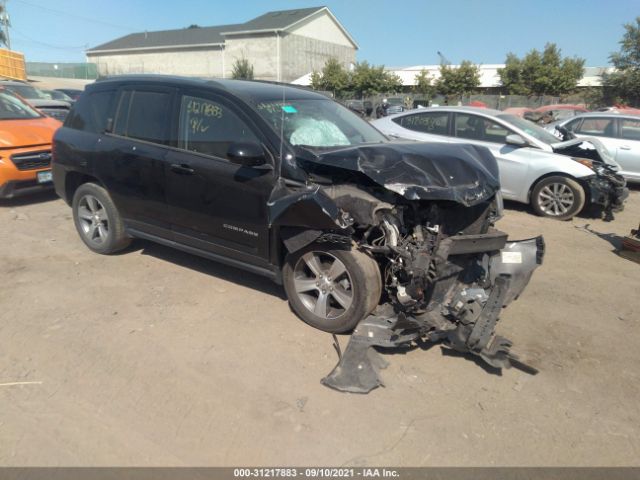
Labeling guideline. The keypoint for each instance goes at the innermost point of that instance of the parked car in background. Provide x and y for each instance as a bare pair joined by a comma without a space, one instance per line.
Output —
25,147
618,132
57,95
38,99
517,111
396,105
73,93
356,106
557,179
552,113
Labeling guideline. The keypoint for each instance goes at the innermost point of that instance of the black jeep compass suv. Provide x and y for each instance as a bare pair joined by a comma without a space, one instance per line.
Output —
287,183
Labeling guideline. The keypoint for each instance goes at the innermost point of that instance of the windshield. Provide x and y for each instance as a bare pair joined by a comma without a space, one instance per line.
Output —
27,91
530,128
12,108
317,123
57,95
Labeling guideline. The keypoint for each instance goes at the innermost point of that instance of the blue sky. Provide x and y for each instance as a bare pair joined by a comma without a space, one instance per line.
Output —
393,33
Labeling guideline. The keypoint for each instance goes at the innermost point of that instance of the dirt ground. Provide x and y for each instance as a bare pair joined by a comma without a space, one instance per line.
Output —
155,357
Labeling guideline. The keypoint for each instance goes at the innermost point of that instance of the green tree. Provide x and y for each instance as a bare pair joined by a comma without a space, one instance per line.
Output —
541,73
459,80
423,84
511,76
367,80
333,78
316,80
392,82
624,82
242,69
3,19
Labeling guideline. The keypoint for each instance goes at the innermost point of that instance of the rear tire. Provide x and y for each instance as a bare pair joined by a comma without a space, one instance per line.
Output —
557,197
331,289
97,220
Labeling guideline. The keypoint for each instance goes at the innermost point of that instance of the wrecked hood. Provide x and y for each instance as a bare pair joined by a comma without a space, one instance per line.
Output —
588,147
466,174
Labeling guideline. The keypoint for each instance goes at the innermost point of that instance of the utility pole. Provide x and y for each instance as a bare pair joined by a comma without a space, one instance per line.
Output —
4,20
443,60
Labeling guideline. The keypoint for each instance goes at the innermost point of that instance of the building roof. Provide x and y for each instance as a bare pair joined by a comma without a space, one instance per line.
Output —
280,19
200,36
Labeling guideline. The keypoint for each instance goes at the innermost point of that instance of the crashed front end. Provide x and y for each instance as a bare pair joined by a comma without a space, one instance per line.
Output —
447,275
605,188
425,213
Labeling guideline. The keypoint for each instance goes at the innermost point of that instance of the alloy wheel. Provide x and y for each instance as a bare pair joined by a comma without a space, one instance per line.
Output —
93,219
323,284
556,199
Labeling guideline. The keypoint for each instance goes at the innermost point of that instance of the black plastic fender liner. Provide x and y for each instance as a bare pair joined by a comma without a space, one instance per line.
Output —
296,238
305,206
358,367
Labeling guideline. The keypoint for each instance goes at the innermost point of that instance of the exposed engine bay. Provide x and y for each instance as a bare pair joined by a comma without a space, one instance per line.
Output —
447,274
426,214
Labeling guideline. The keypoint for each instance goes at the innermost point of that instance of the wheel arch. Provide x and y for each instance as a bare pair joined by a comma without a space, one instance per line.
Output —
72,182
554,174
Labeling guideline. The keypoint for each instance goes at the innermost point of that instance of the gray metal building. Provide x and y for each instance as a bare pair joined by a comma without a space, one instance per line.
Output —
281,46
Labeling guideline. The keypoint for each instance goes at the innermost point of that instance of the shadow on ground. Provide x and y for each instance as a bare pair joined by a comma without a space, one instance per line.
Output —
40,197
612,238
590,212
208,267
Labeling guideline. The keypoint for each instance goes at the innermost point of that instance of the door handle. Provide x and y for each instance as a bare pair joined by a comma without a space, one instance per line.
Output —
625,147
182,169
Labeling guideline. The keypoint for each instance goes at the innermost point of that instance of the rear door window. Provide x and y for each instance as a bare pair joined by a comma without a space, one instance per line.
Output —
144,115
630,129
573,125
475,127
93,112
209,127
597,126
436,123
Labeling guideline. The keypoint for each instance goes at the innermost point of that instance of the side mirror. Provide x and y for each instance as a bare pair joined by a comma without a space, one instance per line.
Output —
246,154
516,140
564,132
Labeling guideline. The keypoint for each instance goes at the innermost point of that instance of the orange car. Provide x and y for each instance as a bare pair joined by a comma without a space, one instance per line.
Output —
25,147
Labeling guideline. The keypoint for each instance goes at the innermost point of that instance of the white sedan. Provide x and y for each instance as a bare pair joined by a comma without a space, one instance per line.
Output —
557,179
618,132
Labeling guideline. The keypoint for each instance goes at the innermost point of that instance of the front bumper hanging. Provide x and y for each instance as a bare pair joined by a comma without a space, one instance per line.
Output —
510,270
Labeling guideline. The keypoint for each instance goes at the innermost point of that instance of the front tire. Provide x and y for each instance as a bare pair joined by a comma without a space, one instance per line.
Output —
97,220
558,197
332,289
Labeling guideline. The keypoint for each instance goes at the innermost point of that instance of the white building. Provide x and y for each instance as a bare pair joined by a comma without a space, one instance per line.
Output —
489,77
280,45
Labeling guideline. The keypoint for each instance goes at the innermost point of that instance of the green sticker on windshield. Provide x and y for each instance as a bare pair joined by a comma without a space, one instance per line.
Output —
289,109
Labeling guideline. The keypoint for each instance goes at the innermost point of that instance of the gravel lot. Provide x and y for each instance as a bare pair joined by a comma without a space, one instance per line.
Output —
155,357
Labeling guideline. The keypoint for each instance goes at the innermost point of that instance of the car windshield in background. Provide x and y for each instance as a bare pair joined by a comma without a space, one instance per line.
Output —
317,123
56,95
12,108
27,91
530,128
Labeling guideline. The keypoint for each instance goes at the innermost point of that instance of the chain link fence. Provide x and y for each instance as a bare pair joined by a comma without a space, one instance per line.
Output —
86,71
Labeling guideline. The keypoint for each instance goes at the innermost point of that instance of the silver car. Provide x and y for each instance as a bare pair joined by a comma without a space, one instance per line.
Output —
619,133
557,178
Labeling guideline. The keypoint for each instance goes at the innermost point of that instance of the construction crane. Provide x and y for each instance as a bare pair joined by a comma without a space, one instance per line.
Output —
443,60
